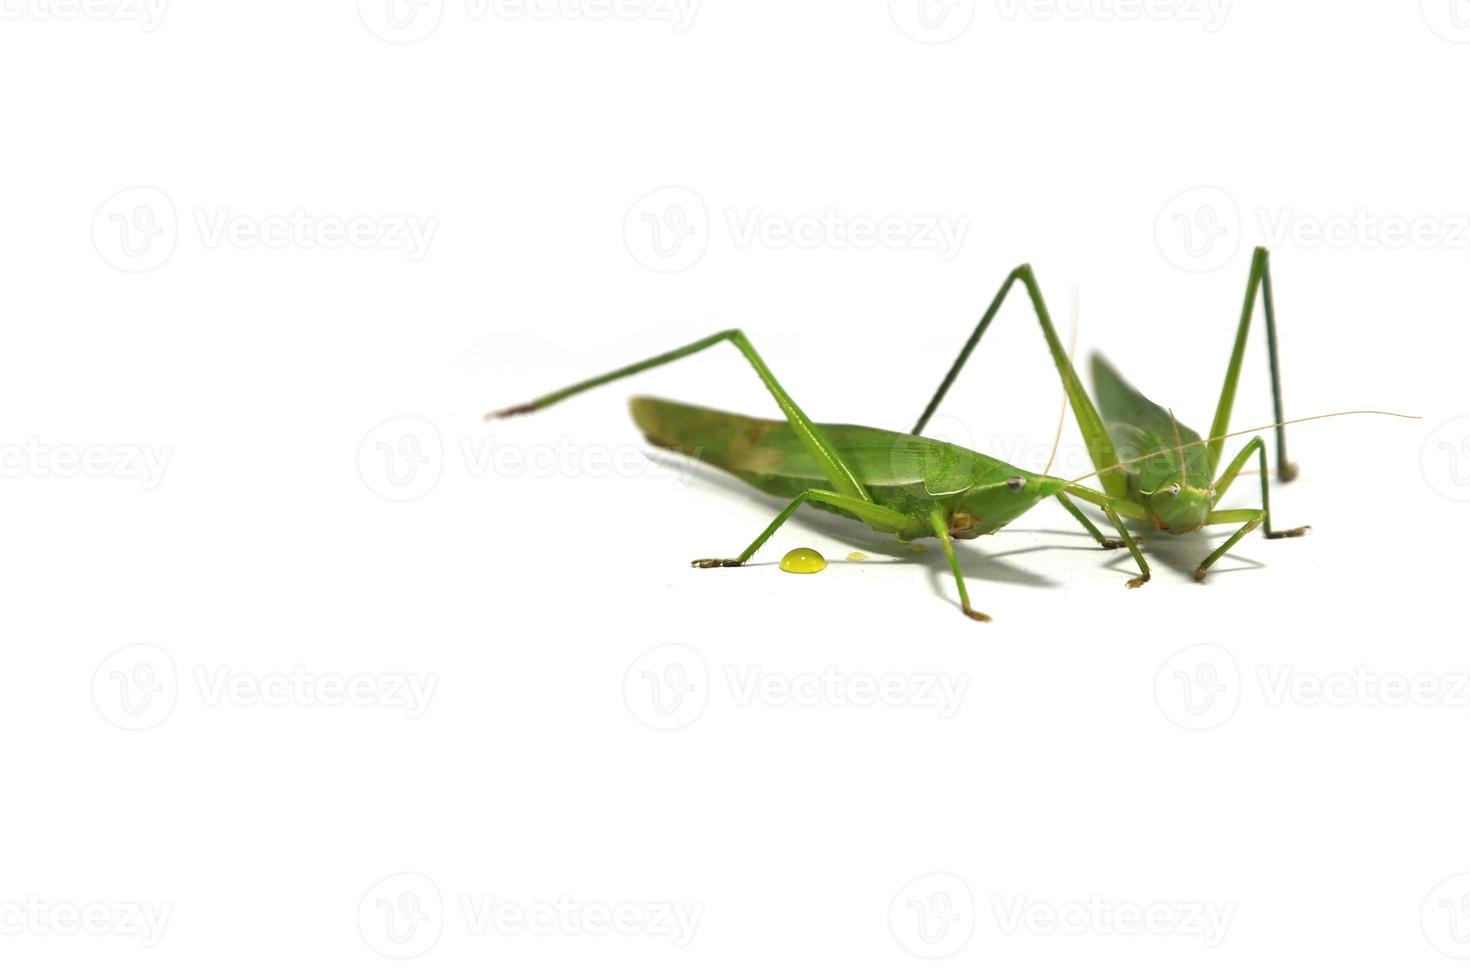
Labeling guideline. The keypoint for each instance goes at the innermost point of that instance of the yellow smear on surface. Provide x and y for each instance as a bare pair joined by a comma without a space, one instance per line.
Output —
803,561
857,556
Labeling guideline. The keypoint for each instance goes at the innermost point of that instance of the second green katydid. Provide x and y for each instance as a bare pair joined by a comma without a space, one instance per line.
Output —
1178,488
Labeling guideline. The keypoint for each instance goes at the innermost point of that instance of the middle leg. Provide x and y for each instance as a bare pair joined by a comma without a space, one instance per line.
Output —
1106,543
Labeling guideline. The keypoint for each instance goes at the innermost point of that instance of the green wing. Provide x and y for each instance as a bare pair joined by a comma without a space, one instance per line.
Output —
769,454
1145,433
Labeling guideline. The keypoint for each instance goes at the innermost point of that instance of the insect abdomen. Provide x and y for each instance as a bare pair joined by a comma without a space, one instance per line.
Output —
732,442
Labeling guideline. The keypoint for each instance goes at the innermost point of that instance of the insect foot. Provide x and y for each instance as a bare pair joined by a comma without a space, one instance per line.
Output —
716,563
1287,472
1295,532
505,413
1113,544
1137,583
976,614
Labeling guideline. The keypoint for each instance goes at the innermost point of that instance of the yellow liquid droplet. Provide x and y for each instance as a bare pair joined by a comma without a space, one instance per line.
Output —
917,549
857,556
803,561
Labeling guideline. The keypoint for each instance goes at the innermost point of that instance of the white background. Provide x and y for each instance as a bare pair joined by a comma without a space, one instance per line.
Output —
326,511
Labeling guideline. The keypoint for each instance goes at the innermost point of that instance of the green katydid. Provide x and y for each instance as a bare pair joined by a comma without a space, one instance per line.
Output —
1177,492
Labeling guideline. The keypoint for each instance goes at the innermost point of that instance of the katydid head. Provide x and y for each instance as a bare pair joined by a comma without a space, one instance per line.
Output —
989,506
1177,507
1177,497
977,494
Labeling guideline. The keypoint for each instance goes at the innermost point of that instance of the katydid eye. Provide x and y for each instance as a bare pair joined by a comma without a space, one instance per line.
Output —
1016,483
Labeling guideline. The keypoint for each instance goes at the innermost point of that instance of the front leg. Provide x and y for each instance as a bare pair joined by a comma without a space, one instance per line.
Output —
1104,542
1253,520
941,528
1143,571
